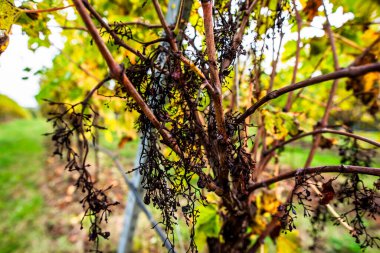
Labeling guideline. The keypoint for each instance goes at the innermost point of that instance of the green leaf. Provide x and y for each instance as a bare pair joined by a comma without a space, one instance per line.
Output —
208,225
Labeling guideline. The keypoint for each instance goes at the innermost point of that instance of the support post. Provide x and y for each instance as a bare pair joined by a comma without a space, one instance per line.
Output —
131,212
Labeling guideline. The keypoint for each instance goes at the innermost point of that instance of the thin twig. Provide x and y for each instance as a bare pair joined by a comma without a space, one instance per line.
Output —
324,121
330,101
165,25
365,52
45,10
275,63
173,44
139,23
116,38
89,95
298,49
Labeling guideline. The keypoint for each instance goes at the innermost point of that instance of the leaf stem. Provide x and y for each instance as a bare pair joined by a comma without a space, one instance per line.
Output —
45,10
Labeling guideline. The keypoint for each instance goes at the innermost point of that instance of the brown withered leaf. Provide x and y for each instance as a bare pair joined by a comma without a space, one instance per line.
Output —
326,143
4,40
124,140
366,88
311,9
328,193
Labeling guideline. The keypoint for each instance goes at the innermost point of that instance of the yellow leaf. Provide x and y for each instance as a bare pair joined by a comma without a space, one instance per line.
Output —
108,136
288,243
212,197
8,15
369,35
267,205
303,2
269,140
370,81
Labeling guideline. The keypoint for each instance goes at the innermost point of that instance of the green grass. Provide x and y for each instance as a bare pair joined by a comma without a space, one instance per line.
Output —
295,157
21,204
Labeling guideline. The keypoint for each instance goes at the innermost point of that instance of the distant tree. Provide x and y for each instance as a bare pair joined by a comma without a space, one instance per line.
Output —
10,110
219,98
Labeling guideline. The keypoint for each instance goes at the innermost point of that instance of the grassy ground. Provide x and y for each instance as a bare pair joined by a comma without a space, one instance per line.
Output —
21,204
295,157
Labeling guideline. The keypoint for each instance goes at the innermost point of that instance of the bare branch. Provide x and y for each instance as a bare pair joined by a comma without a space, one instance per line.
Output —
275,63
323,130
323,123
344,72
168,32
71,28
116,38
365,52
139,23
322,169
298,49
211,53
89,95
269,228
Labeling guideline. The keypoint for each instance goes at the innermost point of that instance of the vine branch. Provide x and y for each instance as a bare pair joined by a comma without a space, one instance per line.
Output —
319,131
321,169
215,78
344,72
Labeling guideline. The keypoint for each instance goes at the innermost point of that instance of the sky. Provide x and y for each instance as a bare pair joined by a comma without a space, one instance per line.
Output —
22,86
15,59
17,84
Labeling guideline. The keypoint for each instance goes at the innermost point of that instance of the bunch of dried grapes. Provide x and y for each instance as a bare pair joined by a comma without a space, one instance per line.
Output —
359,203
352,153
364,204
73,124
